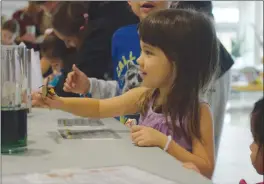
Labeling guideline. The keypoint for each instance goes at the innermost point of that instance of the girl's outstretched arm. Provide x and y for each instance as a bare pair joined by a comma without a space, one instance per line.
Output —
95,108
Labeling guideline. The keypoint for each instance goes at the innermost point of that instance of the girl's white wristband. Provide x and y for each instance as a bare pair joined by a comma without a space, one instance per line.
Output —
168,143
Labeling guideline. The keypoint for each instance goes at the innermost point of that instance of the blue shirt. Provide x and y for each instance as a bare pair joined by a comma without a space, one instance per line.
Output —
125,52
55,80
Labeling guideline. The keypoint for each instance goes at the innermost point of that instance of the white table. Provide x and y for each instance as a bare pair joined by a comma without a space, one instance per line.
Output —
45,153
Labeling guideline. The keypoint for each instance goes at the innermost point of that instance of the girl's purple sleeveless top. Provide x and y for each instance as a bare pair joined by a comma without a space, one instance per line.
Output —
158,122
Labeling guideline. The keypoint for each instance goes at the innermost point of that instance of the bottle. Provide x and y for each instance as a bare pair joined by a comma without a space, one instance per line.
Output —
15,102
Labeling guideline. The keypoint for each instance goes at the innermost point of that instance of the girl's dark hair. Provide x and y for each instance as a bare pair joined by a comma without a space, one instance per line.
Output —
52,47
68,18
201,6
11,25
188,39
257,122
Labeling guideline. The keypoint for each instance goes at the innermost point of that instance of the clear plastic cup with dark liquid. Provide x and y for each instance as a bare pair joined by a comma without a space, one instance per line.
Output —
15,98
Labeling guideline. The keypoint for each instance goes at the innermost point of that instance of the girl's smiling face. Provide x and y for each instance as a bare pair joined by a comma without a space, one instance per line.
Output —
155,68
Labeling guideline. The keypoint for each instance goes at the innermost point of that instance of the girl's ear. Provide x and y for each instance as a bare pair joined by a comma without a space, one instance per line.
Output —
129,2
173,74
174,69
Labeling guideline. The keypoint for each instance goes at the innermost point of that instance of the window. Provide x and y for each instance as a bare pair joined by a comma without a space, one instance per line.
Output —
226,15
226,39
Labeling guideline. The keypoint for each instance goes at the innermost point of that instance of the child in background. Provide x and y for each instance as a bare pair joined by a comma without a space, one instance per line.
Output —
53,49
88,26
125,52
172,115
257,147
9,32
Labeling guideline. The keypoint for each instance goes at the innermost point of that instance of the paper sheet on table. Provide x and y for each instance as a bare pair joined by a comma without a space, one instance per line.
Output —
108,175
36,75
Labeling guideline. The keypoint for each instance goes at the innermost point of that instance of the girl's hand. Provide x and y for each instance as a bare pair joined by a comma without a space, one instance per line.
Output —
50,101
147,136
189,165
53,101
36,99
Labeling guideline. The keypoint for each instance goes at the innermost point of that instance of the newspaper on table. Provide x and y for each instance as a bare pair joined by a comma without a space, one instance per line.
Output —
107,175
